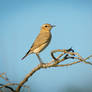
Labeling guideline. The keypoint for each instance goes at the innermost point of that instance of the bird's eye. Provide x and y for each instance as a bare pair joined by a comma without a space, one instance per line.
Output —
46,26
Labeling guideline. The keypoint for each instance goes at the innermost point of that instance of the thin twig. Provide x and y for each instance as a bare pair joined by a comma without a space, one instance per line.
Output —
4,76
55,63
7,87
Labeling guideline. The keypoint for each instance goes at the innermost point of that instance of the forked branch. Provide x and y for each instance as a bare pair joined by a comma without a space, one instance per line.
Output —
65,54
56,62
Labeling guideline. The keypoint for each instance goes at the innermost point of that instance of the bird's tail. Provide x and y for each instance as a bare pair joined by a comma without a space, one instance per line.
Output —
26,55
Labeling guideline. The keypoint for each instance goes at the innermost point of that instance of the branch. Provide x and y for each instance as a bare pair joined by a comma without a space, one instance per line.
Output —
4,76
66,54
11,84
27,77
7,87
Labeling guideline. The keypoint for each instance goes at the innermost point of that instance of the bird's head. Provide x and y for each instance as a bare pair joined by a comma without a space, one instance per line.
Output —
47,27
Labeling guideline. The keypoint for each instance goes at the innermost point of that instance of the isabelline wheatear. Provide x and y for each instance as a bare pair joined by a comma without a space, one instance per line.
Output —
42,40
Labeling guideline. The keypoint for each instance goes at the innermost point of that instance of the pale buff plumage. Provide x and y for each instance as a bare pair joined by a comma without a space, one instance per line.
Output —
42,40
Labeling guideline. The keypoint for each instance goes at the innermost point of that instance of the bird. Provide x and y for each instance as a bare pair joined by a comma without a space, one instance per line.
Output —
42,40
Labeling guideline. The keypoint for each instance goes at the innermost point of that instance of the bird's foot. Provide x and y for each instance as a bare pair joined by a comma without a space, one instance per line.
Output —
42,63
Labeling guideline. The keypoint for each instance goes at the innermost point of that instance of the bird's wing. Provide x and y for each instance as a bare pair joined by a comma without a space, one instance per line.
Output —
43,37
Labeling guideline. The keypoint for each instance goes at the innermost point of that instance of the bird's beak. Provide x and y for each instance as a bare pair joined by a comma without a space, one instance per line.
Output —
53,25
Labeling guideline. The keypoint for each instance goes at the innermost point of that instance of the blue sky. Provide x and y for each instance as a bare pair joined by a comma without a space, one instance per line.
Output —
20,22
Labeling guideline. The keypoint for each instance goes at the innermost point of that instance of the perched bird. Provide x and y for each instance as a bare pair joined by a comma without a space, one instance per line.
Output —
42,40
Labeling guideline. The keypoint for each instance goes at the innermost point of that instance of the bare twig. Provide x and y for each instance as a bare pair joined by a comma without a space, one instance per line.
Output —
12,84
69,54
7,87
27,76
4,76
56,62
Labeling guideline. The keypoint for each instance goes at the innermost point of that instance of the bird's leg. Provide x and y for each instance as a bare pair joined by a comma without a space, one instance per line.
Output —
40,60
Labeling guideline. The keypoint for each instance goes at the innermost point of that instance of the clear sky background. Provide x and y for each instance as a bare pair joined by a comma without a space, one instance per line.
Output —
20,22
